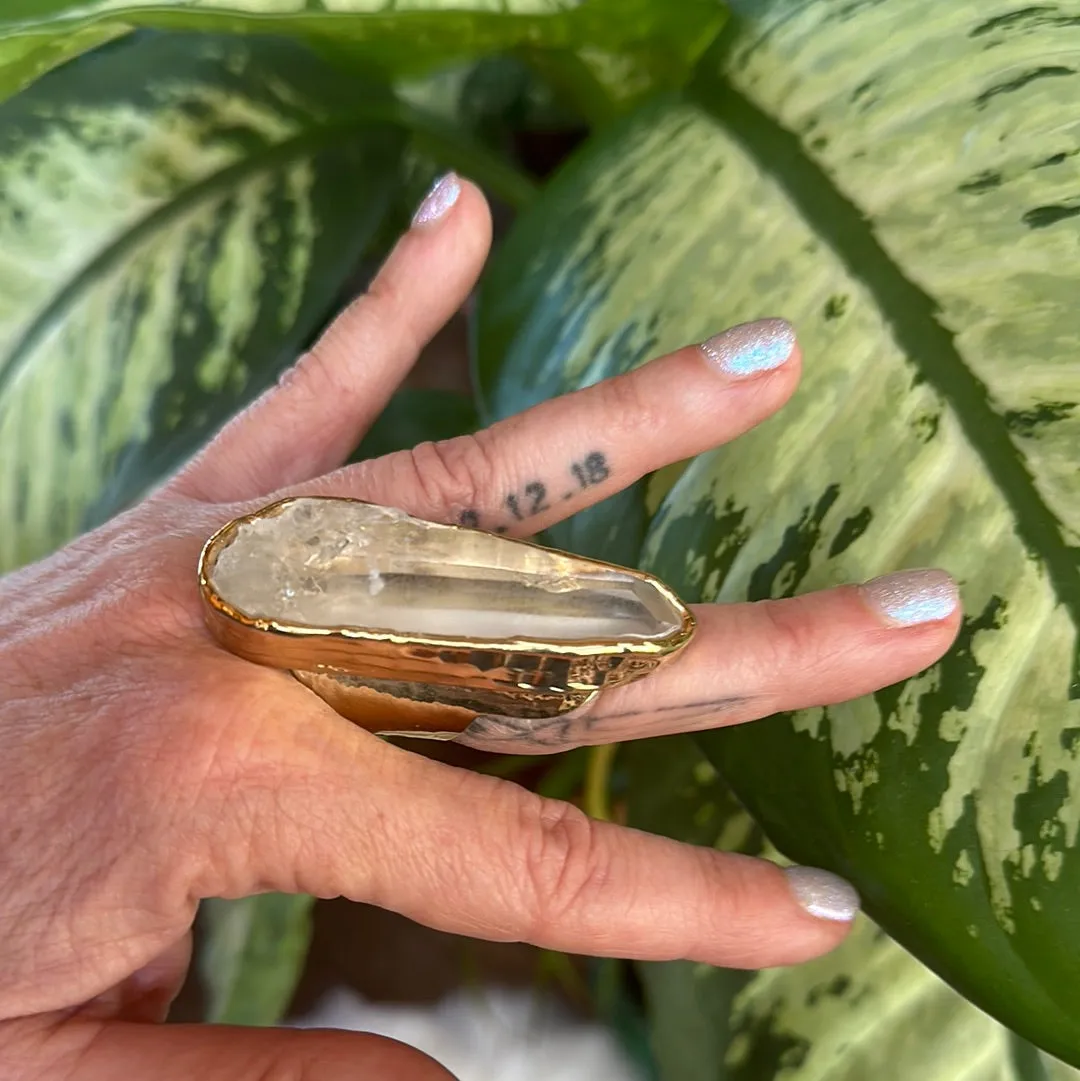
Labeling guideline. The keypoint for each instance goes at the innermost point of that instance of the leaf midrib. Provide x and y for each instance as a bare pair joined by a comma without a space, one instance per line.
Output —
513,186
110,256
911,313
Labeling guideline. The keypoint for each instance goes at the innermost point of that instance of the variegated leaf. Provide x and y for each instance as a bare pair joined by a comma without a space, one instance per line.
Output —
176,216
866,1010
899,177
611,49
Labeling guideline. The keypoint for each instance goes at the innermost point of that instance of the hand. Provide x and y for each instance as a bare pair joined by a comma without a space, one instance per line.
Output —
144,768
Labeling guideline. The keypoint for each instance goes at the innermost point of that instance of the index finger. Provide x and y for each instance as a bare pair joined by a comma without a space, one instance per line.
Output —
314,417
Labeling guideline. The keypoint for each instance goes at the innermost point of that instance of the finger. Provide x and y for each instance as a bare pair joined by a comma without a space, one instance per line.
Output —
474,855
347,814
83,1050
314,417
748,661
531,470
145,996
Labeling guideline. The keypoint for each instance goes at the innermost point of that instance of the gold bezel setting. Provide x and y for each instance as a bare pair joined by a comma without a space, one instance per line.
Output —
422,685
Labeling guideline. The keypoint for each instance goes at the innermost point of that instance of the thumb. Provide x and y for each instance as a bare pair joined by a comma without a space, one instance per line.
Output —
42,1049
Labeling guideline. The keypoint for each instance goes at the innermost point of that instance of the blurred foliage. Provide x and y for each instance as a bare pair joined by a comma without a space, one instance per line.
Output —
189,189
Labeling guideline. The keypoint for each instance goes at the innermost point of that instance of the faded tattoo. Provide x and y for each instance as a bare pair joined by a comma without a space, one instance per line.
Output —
584,726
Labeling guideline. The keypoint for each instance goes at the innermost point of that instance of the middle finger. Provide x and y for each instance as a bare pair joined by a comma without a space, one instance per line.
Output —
529,471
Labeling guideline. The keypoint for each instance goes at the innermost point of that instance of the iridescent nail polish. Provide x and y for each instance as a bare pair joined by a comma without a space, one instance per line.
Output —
750,348
823,894
444,193
909,597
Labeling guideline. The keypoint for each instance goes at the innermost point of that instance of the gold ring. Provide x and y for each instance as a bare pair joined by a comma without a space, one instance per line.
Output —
409,627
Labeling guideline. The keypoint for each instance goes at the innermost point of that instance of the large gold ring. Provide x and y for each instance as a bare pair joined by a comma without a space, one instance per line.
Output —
409,627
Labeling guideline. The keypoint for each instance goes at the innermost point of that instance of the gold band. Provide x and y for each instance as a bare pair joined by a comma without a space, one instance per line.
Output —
421,685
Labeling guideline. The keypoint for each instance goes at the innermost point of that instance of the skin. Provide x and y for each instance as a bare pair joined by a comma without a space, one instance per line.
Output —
144,768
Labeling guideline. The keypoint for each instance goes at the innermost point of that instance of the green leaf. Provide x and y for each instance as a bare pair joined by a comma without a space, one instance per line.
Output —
253,956
26,56
628,47
867,1010
416,416
177,216
898,178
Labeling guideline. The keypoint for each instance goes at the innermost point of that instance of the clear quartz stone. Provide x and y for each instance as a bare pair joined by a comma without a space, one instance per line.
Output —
335,563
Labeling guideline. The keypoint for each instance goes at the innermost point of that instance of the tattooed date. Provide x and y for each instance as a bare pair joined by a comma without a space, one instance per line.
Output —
534,498
593,470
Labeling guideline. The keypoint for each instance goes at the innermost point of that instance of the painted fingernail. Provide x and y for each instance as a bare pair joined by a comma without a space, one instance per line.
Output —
909,597
444,193
823,894
750,348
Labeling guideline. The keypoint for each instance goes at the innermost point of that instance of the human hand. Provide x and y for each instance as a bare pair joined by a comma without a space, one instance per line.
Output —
144,768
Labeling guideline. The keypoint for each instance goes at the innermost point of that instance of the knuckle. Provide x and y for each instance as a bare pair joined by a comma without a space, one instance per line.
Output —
626,408
311,374
381,296
791,638
452,474
379,314
367,324
565,863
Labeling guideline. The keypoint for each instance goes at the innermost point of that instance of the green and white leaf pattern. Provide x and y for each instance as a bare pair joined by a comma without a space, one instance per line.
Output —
620,48
177,215
898,178
866,1010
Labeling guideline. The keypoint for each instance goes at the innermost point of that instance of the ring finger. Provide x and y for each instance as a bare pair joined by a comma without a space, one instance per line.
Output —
748,661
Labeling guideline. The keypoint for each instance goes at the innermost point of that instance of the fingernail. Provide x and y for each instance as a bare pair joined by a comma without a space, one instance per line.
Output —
909,597
750,348
444,193
823,894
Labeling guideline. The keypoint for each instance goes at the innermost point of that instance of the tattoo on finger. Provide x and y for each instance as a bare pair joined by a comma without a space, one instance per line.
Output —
582,727
535,497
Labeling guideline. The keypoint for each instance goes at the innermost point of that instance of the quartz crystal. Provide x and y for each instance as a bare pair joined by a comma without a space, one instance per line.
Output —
340,563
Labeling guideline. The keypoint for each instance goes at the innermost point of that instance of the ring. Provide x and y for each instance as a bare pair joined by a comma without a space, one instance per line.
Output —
408,627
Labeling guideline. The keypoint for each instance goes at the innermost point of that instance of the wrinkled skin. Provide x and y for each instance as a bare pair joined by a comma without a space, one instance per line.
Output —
144,768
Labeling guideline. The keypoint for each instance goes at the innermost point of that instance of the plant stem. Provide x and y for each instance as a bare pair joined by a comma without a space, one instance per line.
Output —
459,151
598,781
573,83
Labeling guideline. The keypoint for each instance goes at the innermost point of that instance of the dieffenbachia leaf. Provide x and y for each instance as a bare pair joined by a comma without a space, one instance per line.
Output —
900,179
415,415
617,49
177,214
866,1010
253,955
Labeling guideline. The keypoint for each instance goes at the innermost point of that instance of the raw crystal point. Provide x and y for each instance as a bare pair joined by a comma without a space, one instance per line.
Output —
341,563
